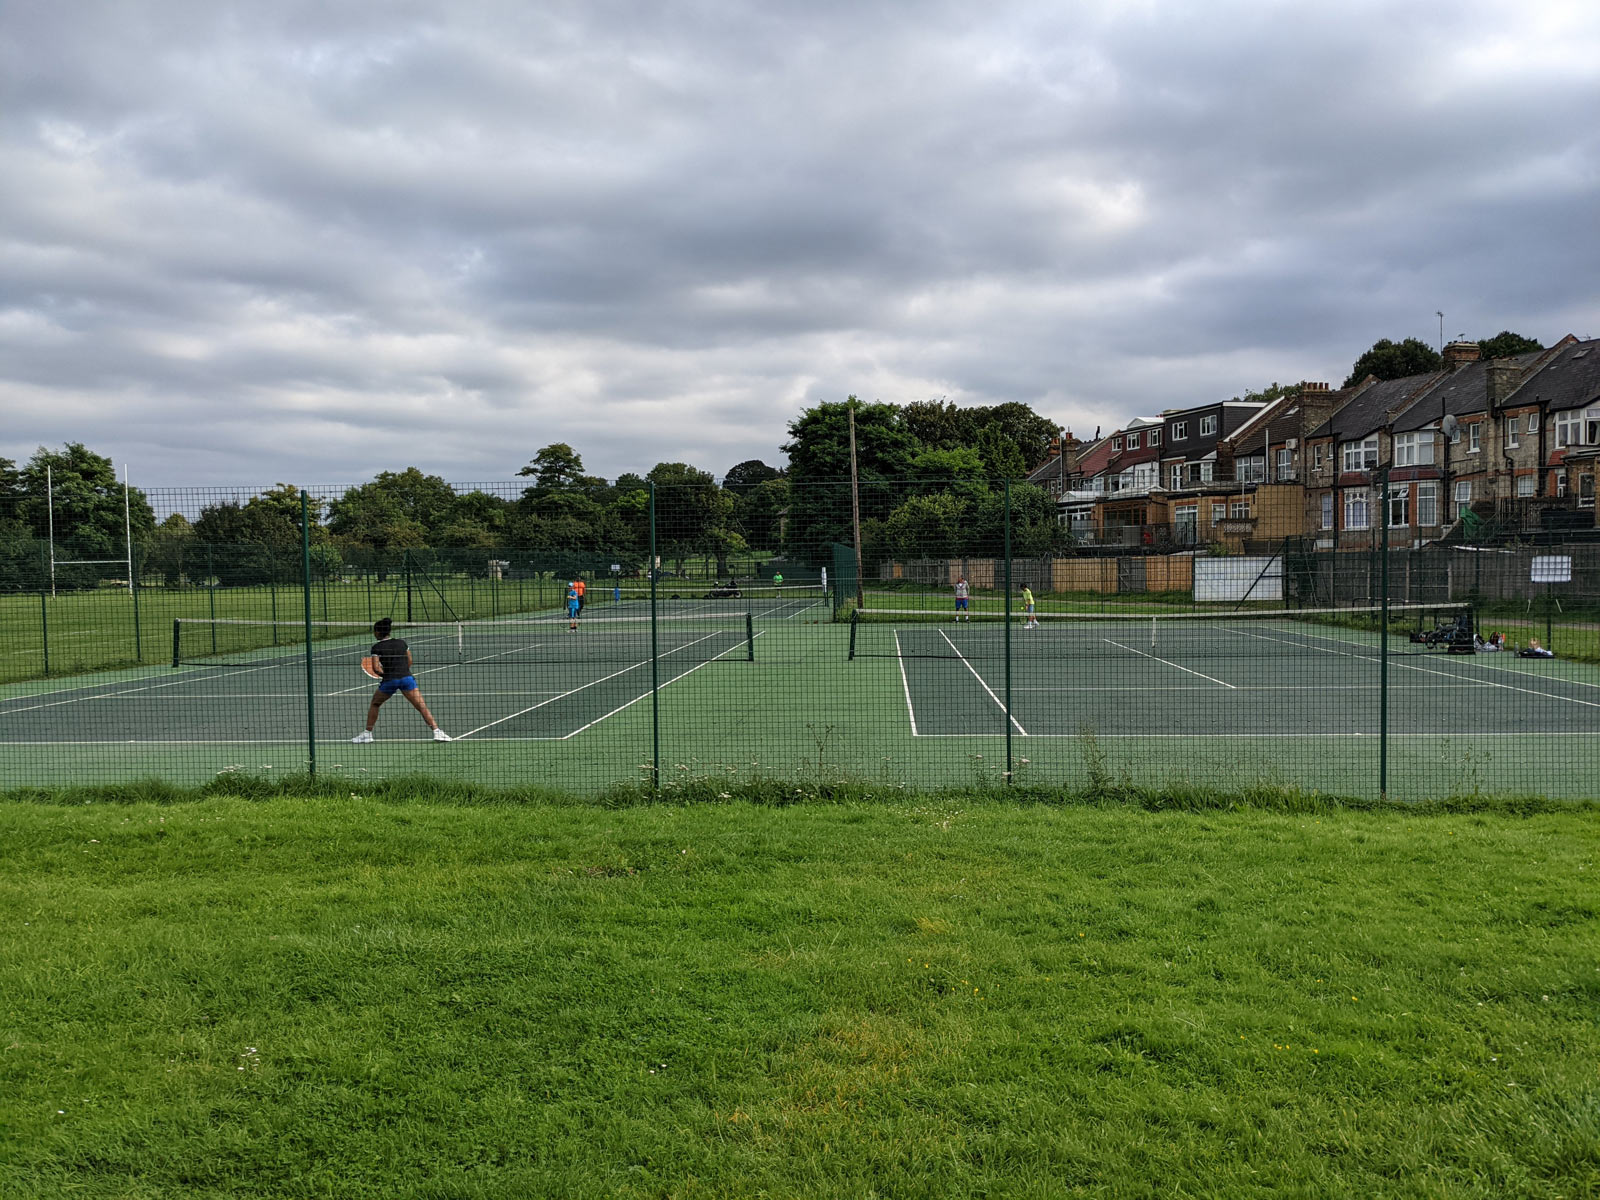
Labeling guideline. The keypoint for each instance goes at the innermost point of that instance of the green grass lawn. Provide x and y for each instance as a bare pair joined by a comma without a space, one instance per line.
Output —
919,997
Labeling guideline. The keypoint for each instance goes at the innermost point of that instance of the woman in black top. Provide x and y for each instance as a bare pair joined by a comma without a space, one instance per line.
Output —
392,658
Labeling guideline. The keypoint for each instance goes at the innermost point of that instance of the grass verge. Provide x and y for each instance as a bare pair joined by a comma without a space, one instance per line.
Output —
381,995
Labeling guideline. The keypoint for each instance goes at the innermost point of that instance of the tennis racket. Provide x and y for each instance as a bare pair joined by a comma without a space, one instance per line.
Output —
369,665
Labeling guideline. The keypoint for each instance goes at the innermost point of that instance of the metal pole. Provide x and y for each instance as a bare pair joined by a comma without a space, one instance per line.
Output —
211,593
44,621
127,525
855,506
311,685
1008,628
655,658
138,634
1383,640
50,521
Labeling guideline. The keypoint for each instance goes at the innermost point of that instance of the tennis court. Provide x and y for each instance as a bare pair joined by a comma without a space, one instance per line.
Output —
728,689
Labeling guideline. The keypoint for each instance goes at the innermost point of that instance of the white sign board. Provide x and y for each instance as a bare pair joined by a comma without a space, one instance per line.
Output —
1219,580
1552,568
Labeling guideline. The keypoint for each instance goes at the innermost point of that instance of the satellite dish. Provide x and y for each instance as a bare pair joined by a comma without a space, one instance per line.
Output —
1449,425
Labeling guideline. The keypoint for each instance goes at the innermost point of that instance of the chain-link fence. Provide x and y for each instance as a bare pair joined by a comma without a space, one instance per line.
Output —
904,633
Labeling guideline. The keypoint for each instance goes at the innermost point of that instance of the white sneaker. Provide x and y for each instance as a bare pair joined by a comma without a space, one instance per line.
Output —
364,736
440,735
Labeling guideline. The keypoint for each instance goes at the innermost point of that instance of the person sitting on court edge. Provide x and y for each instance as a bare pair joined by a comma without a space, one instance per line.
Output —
391,658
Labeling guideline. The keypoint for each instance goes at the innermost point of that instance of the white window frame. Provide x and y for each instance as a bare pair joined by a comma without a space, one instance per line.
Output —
1363,454
1177,476
1186,514
1208,425
1511,434
1133,441
1463,499
1285,463
1317,455
1251,470
1399,515
1533,422
1475,437
1427,505
1155,437
1561,485
1569,429
1116,442
1180,430
1413,449
1327,510
1526,485
1357,508
1238,510
1219,511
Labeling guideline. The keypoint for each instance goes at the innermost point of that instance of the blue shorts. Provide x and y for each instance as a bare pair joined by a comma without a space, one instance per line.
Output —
961,604
572,608
406,683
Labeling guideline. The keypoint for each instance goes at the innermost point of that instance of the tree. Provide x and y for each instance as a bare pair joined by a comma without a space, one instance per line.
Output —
692,514
1506,344
556,466
396,510
743,478
961,470
758,514
1388,360
1273,391
819,471
254,542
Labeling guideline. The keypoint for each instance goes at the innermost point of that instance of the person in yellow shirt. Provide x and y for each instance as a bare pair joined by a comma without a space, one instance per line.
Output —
1027,607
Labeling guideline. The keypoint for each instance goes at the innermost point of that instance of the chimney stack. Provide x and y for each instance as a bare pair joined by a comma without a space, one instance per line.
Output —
1459,354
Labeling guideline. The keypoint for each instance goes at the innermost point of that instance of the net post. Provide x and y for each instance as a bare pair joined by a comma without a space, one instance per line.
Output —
855,619
305,591
750,636
1008,629
177,624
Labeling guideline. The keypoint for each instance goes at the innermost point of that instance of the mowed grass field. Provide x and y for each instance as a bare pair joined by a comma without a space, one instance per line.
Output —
948,996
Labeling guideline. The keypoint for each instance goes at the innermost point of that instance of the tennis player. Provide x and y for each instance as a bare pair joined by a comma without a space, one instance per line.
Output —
581,587
963,591
1027,607
574,606
392,658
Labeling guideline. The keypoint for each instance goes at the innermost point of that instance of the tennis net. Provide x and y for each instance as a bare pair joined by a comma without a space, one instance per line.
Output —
208,642
679,596
919,633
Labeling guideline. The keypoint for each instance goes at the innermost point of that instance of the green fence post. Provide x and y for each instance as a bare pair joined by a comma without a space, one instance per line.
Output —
133,590
655,658
44,606
1383,637
311,674
1008,629
177,633
211,594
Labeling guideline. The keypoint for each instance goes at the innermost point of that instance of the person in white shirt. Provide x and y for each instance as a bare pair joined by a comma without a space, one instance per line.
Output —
962,593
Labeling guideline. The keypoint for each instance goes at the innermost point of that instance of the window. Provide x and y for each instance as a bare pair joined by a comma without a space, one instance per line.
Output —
1362,455
1155,437
1355,508
1116,443
1525,485
1569,429
1427,504
1327,510
1455,436
1205,472
1219,511
1511,433
1239,510
1317,460
1585,491
1561,484
1177,476
1185,516
1180,430
1133,441
1251,470
1473,432
1208,426
1285,463
1463,496
1533,422
1413,449
1399,505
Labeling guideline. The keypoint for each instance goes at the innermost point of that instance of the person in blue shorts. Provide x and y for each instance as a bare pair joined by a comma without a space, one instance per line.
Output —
392,659
963,593
574,603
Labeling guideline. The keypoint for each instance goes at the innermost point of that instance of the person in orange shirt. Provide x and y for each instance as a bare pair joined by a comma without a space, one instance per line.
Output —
580,587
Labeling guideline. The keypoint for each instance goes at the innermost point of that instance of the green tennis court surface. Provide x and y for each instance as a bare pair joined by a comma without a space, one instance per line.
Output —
923,703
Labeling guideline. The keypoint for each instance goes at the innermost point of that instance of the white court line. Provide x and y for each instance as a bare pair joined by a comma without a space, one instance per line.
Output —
1169,663
981,683
1457,677
905,683
642,695
1212,735
576,690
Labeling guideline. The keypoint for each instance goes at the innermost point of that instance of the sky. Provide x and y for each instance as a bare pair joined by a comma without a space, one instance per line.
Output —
242,243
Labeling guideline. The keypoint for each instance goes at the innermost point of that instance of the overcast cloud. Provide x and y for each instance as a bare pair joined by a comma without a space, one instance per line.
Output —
251,242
